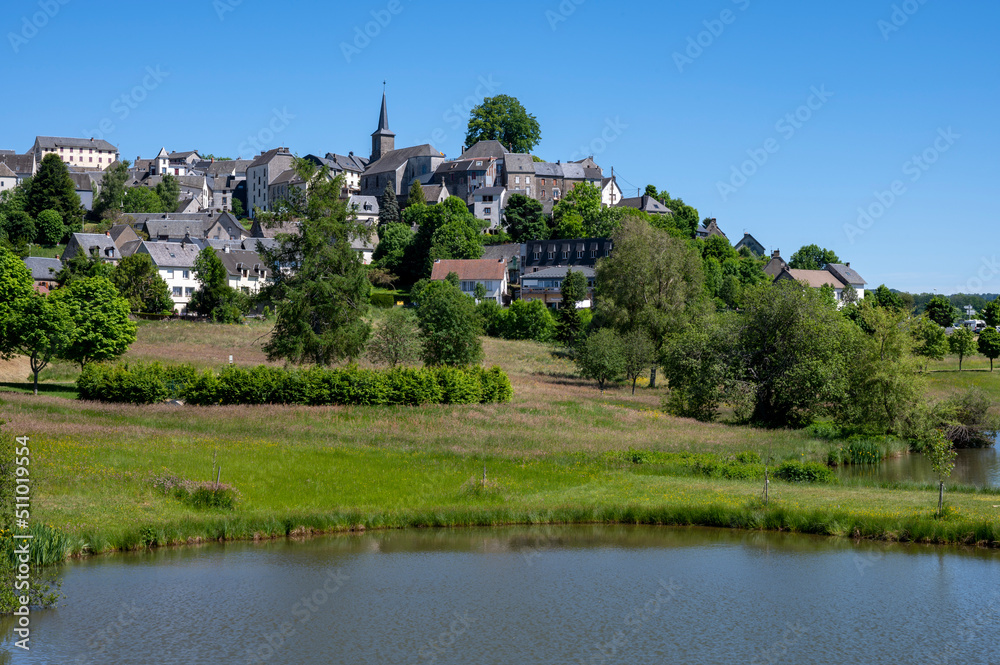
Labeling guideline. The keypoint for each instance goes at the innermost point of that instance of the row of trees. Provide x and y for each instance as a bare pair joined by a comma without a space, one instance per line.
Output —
43,209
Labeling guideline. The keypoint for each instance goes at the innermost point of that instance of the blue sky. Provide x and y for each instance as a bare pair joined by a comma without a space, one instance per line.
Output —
779,118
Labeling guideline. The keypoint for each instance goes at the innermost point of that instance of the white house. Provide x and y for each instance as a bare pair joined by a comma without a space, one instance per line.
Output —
546,285
175,263
491,273
247,271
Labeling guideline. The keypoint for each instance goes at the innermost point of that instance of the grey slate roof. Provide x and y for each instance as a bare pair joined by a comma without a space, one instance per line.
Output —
84,242
174,156
644,203
22,165
59,141
504,252
171,254
518,162
574,171
83,181
268,156
43,269
224,167
485,149
556,272
845,273
361,201
5,171
393,159
548,170
260,244
129,248
289,176
245,259
337,162
490,191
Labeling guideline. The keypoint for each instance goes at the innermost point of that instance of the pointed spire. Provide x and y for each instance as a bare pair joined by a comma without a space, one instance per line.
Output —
383,117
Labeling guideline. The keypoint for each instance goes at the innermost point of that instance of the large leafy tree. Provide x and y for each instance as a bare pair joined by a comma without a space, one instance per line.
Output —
989,344
102,329
504,119
582,205
169,191
652,280
812,257
46,331
601,357
573,288
941,311
449,326
50,227
16,287
111,195
393,240
323,300
962,343
142,199
458,241
19,227
215,298
638,353
883,297
524,219
786,352
991,313
684,217
52,188
388,206
929,339
139,282
81,266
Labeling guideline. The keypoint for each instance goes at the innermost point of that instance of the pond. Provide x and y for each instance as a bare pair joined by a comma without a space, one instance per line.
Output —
574,594
973,466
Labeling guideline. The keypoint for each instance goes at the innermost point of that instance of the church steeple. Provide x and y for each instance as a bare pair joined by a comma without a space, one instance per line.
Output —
383,139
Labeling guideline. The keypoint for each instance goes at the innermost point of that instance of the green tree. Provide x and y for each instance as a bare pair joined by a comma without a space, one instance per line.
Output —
46,330
573,288
989,344
504,119
683,217
991,313
457,239
529,320
652,281
694,364
238,209
142,200
962,343
569,327
569,225
139,282
639,354
16,287
601,357
214,297
786,354
394,238
524,220
941,311
388,206
941,455
718,248
731,291
929,339
50,228
322,304
883,297
416,194
111,194
101,326
20,227
396,340
479,292
52,188
449,326
583,205
169,191
812,257
81,266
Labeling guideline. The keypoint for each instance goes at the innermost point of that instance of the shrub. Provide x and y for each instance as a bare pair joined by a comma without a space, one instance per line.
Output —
198,494
804,472
138,383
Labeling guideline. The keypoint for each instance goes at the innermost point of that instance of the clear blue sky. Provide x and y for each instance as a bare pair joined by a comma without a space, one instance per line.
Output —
604,76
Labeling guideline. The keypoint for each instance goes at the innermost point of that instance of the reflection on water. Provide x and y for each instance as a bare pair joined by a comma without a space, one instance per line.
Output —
579,594
973,466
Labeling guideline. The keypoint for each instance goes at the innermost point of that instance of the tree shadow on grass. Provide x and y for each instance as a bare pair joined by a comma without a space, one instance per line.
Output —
54,389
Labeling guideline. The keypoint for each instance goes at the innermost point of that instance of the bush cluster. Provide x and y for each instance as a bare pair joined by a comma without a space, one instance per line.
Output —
522,320
805,472
142,383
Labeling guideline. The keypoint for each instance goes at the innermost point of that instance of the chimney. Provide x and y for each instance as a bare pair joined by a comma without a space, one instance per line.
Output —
847,265
107,233
775,254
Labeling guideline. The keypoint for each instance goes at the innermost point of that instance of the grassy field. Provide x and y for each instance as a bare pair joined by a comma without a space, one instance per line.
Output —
550,456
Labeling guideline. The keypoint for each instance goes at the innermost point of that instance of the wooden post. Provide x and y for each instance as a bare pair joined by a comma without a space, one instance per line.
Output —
940,498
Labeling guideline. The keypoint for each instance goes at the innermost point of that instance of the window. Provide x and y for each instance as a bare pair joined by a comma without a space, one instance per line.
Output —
565,254
185,274
178,291
517,180
543,182
91,159
543,193
487,199
188,290
527,180
527,191
487,211
593,253
537,255
579,254
170,274
555,193
552,255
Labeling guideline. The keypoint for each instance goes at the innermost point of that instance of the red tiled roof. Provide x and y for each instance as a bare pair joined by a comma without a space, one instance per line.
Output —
469,268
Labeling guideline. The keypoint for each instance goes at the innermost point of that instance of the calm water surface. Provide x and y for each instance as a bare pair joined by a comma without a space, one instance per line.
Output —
974,466
519,595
